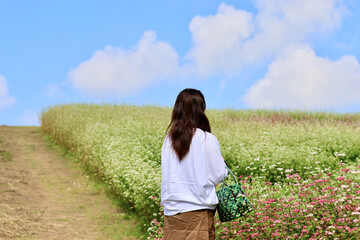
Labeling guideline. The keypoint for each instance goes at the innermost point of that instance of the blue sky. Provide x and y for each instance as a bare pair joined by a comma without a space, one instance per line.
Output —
274,54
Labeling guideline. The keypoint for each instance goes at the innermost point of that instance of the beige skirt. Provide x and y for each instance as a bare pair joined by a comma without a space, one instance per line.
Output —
194,225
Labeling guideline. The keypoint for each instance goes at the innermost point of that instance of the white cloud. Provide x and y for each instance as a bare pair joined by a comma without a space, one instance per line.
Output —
281,23
120,72
298,79
5,99
217,39
29,118
224,42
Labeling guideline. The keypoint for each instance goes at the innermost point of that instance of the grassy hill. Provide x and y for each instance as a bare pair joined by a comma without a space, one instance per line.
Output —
121,145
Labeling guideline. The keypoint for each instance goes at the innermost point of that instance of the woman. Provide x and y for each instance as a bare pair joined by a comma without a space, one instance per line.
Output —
192,165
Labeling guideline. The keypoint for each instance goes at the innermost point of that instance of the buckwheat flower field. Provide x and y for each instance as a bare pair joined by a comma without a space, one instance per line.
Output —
301,171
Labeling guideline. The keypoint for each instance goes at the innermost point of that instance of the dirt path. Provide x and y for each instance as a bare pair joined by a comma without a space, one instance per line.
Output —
43,195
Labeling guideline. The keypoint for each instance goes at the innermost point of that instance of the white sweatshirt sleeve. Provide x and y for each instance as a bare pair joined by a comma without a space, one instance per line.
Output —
215,162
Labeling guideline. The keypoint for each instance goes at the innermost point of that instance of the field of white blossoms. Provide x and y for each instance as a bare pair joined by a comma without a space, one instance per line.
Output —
301,171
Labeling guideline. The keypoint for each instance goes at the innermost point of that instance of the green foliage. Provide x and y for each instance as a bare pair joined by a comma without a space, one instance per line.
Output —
121,145
5,156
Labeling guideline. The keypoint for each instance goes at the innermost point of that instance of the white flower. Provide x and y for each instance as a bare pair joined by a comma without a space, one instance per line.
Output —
336,154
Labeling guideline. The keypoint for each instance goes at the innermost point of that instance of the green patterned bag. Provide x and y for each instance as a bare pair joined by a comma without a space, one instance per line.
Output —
232,201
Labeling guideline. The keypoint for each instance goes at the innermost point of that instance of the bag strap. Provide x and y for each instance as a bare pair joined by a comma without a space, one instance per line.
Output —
231,175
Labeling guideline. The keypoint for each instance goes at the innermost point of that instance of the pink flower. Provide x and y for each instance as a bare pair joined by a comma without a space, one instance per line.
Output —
340,178
276,233
304,232
296,210
345,170
350,230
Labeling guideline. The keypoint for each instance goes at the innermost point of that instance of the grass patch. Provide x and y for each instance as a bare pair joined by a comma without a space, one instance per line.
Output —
122,223
5,156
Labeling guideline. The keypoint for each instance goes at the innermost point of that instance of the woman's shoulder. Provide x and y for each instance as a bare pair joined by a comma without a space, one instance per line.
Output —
206,135
167,140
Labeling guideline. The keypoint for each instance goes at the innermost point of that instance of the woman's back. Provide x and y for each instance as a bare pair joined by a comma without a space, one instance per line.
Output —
189,184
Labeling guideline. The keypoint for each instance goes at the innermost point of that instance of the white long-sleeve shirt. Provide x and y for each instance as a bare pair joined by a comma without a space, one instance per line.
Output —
190,184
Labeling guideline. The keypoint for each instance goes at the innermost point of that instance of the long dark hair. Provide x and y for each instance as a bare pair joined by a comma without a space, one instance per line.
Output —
187,115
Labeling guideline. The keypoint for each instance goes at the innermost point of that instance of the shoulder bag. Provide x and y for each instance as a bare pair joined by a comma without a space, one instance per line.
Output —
233,202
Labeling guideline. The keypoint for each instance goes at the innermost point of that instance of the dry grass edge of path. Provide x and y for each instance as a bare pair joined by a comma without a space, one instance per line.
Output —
44,195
